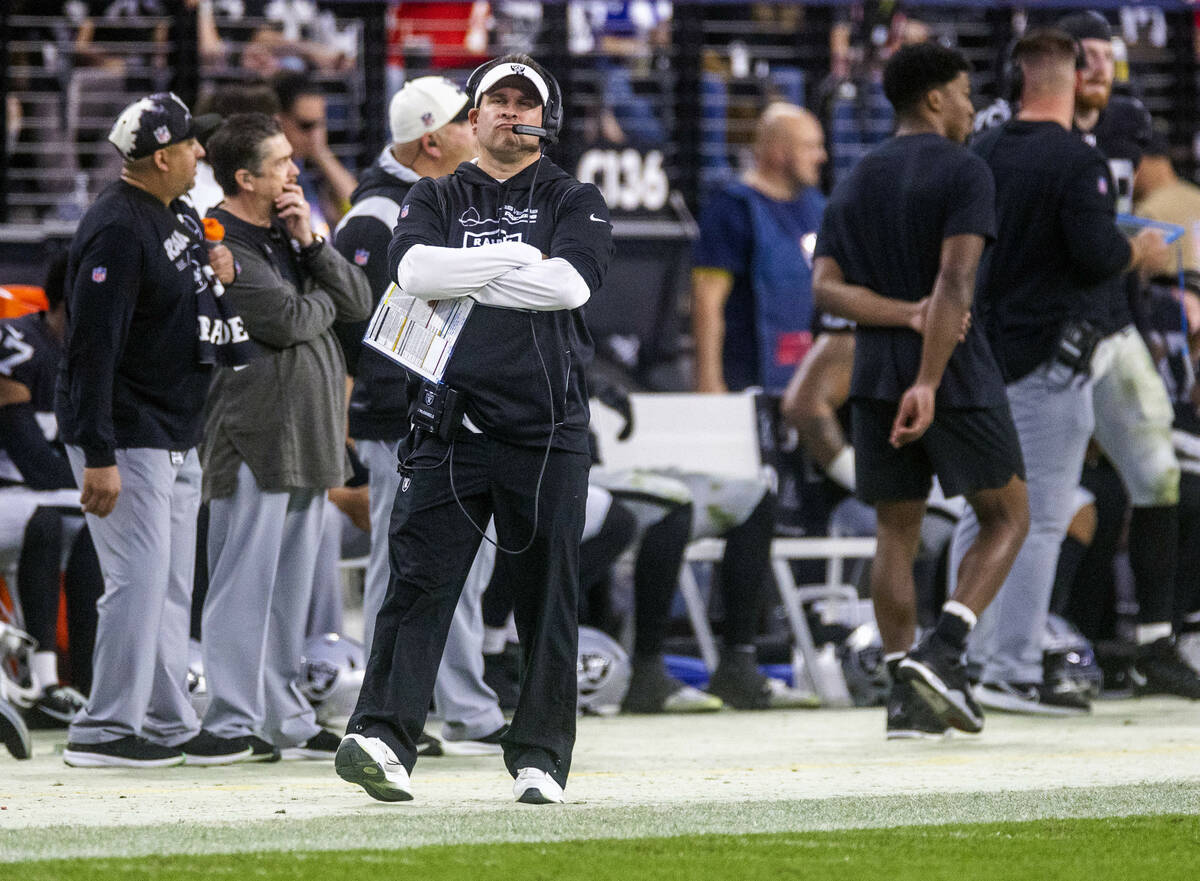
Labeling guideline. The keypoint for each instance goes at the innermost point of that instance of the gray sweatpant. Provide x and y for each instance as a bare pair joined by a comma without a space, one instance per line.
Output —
467,706
262,548
147,552
1052,411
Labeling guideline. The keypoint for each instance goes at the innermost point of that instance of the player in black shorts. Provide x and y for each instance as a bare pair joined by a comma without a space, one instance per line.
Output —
897,253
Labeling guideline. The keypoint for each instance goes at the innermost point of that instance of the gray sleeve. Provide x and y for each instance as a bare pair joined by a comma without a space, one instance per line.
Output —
344,282
273,311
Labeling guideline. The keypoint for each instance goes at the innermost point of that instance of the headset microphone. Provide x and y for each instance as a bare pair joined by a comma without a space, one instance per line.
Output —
537,131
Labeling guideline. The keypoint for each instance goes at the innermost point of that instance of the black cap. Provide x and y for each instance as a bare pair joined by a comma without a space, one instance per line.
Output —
1087,25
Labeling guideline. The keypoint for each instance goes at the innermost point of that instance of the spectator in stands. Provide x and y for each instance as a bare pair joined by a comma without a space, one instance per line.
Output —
1132,412
326,184
430,137
141,25
141,294
439,37
751,297
266,36
910,222
1057,248
40,506
623,40
273,445
121,49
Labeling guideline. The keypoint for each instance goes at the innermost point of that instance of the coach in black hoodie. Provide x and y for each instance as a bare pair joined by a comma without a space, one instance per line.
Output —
529,244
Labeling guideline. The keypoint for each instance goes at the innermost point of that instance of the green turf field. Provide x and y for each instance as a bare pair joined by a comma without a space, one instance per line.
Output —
1163,848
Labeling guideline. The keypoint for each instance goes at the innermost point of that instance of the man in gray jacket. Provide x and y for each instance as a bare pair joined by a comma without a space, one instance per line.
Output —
274,443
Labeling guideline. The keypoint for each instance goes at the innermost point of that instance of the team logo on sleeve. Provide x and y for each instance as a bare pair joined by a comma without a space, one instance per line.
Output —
361,256
99,274
404,211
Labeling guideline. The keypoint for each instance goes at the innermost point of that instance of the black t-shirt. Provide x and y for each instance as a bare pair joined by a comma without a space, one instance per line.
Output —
1057,245
885,225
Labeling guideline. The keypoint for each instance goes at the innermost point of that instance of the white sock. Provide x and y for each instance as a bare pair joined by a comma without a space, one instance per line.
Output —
1148,633
954,607
43,670
494,639
841,469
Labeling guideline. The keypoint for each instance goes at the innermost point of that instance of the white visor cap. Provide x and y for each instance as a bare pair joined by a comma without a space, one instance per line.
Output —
507,69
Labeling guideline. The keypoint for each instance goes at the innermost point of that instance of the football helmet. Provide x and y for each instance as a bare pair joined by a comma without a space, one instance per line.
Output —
331,674
603,672
1068,657
865,672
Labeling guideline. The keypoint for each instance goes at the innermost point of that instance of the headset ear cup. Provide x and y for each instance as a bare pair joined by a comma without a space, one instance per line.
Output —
474,79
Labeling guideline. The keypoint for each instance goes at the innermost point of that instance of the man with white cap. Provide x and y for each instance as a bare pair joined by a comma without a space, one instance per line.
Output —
430,137
144,329
529,245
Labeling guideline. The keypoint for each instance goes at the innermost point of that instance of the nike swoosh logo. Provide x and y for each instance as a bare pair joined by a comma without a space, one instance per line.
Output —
597,219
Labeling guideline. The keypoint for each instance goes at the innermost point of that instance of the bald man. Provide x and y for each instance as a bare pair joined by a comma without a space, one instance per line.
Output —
752,277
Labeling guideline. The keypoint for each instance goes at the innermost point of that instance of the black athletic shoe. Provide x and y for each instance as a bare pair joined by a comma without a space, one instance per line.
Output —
910,718
430,746
940,679
207,748
13,733
260,750
1033,699
740,684
653,690
322,745
125,752
1160,669
56,707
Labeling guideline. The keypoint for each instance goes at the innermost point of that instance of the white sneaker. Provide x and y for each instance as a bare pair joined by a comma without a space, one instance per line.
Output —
536,787
370,763
1188,646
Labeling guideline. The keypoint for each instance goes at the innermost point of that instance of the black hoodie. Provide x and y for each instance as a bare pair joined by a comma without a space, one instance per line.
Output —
522,371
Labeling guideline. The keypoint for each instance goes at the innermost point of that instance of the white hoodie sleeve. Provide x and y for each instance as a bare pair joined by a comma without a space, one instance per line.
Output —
431,272
544,286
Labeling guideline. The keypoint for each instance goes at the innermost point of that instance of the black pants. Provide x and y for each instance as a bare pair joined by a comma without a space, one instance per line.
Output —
431,546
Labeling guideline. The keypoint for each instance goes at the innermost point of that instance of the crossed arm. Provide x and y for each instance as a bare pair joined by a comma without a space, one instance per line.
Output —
510,275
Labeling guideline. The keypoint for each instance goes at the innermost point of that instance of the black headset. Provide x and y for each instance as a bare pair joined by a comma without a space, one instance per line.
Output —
552,110
1012,79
